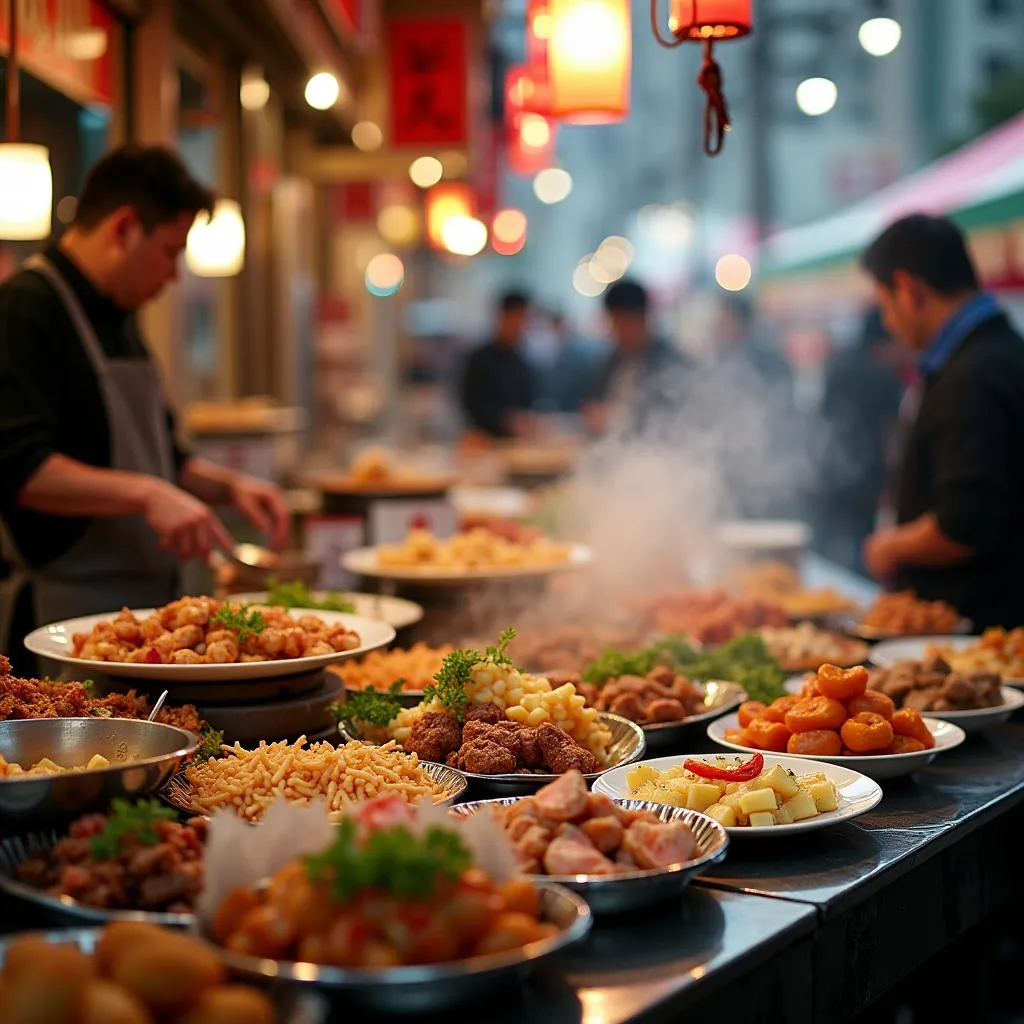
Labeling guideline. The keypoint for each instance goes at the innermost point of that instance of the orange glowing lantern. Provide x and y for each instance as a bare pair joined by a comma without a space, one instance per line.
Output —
531,136
706,21
508,232
536,98
589,53
443,203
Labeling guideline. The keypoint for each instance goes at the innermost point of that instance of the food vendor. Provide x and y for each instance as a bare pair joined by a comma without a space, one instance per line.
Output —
499,387
643,374
99,503
960,498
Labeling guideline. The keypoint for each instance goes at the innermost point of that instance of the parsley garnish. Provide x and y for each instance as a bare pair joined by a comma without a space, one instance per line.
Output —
297,595
449,685
244,619
210,741
90,687
129,821
392,860
370,706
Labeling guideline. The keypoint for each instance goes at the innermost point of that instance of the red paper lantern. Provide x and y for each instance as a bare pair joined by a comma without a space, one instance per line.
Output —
589,58
710,19
707,21
530,136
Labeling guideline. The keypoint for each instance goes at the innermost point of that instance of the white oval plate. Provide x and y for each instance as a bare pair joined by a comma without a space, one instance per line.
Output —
914,648
395,611
363,562
857,793
54,642
874,766
973,721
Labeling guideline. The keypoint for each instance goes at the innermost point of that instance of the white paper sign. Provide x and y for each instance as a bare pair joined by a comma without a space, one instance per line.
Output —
390,521
328,538
252,455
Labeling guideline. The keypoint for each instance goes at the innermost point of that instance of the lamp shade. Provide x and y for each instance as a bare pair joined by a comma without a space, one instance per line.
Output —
589,58
536,82
445,202
710,19
530,136
216,245
26,192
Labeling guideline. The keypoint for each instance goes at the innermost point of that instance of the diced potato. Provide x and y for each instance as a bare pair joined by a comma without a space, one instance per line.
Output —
724,815
760,800
731,787
783,817
645,792
824,796
640,776
678,785
780,780
811,778
733,800
801,806
702,796
762,819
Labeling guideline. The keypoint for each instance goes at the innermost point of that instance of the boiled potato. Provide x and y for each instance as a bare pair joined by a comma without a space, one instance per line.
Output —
640,776
762,819
782,817
780,780
811,778
723,814
824,796
801,806
701,796
762,800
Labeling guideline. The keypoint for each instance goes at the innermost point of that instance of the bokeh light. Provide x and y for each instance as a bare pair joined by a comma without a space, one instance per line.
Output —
816,96
464,236
367,136
426,171
322,91
880,36
254,92
584,282
385,274
399,224
733,272
534,131
552,185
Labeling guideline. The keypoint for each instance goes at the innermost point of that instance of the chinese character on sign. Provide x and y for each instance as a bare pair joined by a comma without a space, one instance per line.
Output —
428,71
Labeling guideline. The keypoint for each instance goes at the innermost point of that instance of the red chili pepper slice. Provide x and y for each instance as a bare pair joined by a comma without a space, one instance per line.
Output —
745,772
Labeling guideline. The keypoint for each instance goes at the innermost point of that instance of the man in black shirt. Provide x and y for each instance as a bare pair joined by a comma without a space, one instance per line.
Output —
960,501
98,503
499,387
640,387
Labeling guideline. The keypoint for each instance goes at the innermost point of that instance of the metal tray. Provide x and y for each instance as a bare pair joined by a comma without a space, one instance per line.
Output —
872,634
142,755
618,893
178,792
628,744
435,986
18,849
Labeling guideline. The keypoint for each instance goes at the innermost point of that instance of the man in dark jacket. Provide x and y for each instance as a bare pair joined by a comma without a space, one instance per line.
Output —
960,501
499,387
640,386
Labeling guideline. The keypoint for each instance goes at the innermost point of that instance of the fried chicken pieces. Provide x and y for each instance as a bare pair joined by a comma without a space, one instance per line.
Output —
489,744
564,830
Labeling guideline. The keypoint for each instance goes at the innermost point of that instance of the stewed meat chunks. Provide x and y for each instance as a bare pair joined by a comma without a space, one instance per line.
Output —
932,685
660,696
564,830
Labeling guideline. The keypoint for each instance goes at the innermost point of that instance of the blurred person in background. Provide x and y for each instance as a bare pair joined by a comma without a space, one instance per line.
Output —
960,501
99,502
568,380
644,376
860,407
499,387
738,346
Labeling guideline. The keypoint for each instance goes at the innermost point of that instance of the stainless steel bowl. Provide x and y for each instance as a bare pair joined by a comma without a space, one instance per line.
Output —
178,792
434,986
628,744
142,756
617,893
719,699
15,851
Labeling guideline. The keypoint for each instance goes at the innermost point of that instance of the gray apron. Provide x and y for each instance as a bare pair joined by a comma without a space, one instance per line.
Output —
118,561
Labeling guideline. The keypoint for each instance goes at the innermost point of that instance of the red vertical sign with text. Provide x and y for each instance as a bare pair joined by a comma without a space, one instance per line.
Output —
428,75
